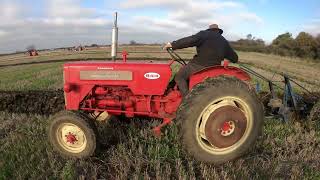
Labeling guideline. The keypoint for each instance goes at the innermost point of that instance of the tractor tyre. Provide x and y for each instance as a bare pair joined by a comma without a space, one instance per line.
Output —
72,134
219,120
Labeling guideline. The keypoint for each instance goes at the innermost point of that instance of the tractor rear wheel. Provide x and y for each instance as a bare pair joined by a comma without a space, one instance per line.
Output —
219,120
72,134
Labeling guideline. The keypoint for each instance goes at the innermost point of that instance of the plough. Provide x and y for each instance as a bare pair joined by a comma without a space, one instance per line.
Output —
288,104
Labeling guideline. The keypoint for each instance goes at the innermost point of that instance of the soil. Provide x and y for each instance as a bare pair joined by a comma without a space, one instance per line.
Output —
32,102
46,102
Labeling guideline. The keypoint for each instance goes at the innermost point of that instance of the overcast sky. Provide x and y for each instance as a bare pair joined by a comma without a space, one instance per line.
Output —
59,23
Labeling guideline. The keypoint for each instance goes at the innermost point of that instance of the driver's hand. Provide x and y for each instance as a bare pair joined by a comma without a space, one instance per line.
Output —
167,46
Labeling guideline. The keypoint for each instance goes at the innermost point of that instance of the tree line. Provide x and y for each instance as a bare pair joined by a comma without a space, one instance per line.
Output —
304,45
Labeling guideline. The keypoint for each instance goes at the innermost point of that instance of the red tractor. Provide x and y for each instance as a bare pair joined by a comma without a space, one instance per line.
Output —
219,120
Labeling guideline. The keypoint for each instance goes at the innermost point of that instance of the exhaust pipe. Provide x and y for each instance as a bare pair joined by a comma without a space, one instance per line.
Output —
114,45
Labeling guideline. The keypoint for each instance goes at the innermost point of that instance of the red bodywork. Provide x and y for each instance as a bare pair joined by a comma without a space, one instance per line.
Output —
131,88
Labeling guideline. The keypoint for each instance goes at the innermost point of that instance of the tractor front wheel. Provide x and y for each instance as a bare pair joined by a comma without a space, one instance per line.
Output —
72,135
220,120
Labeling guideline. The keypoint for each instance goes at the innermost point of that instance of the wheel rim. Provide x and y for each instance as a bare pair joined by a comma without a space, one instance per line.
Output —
71,137
224,125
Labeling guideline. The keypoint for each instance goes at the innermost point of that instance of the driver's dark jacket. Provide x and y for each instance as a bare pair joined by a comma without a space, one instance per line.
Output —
212,48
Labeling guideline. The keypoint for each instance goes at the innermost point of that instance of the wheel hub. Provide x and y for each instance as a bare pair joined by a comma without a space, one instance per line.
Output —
225,126
71,138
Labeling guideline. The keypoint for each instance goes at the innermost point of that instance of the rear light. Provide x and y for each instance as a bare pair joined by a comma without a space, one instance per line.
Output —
67,88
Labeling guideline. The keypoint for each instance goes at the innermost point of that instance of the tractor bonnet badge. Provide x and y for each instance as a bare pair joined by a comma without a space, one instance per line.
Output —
152,75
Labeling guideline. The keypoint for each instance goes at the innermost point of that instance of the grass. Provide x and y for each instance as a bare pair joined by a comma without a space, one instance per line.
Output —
301,69
49,75
32,77
130,151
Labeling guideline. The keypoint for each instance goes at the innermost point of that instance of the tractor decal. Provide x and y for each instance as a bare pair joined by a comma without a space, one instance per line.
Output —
106,75
152,75
105,68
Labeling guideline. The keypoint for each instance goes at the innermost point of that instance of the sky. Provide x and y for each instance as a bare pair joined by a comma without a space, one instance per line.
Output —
61,23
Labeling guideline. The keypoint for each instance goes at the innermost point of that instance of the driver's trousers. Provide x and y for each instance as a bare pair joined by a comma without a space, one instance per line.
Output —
183,75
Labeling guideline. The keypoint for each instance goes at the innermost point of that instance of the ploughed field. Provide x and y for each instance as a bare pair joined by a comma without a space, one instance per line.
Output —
30,92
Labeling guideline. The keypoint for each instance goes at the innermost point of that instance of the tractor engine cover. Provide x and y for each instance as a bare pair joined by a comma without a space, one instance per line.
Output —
142,78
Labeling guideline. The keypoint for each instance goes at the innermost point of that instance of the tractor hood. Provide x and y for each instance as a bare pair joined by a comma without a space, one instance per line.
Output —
142,77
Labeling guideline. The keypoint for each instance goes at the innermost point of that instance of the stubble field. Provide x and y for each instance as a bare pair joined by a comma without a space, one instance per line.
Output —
128,148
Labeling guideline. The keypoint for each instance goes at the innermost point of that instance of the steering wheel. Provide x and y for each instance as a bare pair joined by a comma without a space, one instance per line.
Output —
176,57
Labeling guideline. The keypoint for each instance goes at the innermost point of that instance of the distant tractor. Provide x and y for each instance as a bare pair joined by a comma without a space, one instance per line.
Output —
219,120
33,52
79,48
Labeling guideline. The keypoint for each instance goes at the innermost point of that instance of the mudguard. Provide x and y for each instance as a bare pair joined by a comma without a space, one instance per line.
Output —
216,71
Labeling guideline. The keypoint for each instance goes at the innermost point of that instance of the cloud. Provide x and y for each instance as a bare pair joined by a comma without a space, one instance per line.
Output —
312,27
44,35
58,23
250,17
63,23
10,13
174,4
188,16
9,10
72,21
68,9
149,3
74,14
2,33
158,24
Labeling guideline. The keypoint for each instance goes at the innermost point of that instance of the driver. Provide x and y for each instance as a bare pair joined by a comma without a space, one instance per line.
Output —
212,48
